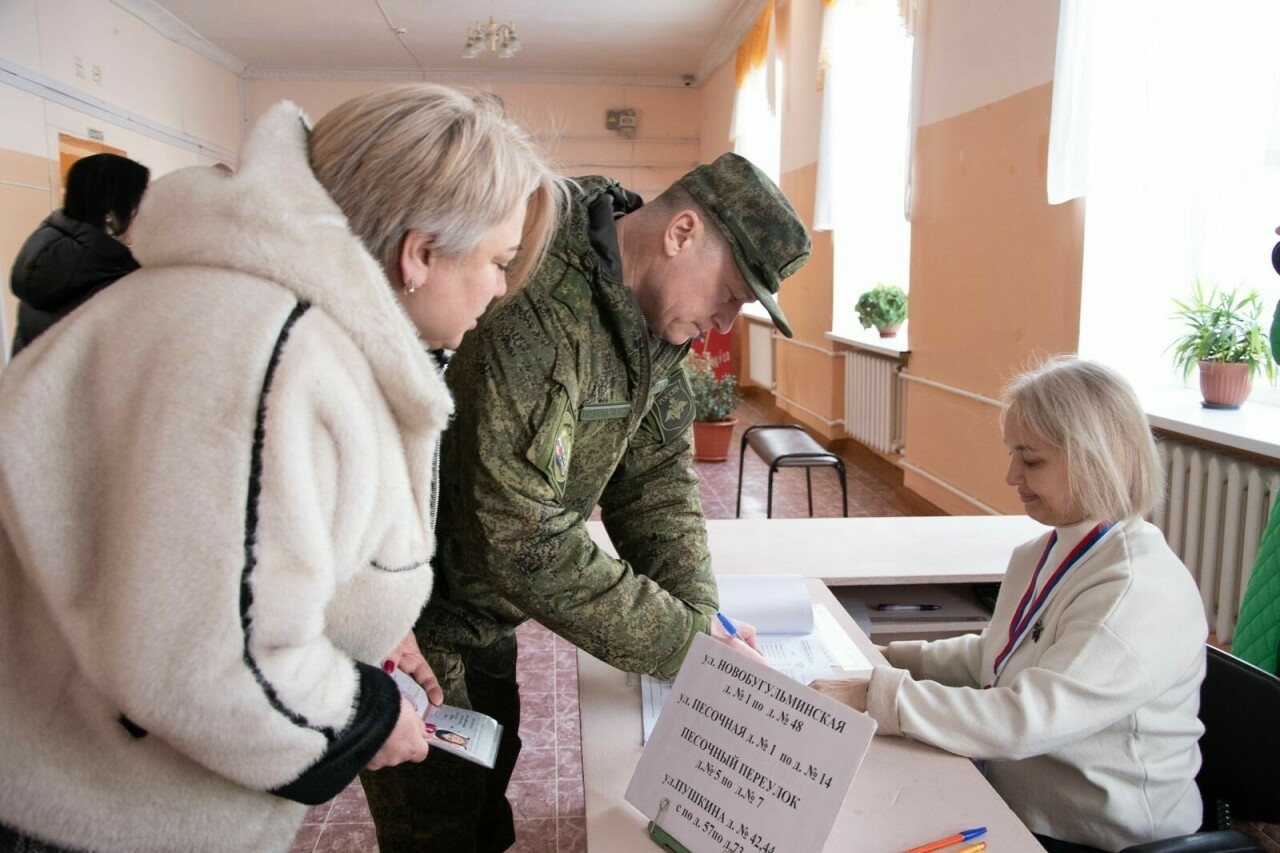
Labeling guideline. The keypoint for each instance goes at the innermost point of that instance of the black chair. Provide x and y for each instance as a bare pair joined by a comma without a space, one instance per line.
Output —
789,446
1240,752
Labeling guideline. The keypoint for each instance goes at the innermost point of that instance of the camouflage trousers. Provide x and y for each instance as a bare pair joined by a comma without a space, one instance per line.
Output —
446,804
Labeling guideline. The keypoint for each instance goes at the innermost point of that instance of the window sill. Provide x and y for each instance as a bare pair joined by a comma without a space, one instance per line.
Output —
870,340
1252,428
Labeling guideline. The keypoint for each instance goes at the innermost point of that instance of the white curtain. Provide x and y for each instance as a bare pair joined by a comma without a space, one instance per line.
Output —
1155,91
755,130
1163,115
863,147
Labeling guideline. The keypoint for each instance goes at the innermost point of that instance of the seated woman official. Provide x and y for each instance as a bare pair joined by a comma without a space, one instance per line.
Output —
1081,696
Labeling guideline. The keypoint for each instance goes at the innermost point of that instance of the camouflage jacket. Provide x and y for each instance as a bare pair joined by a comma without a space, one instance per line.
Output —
565,402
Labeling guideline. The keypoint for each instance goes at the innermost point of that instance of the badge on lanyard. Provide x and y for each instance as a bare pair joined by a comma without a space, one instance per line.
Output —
1030,606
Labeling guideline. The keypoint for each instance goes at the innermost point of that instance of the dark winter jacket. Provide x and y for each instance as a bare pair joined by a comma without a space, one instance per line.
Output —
60,266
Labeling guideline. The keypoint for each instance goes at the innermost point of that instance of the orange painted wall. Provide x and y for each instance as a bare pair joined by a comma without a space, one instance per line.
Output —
808,377
995,286
27,189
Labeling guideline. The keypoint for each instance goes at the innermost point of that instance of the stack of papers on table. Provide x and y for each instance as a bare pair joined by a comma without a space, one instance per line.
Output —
798,638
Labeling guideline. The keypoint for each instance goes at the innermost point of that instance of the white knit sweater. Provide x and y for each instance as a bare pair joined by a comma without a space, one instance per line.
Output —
215,480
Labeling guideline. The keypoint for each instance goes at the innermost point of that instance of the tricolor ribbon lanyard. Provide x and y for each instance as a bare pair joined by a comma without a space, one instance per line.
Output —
1030,605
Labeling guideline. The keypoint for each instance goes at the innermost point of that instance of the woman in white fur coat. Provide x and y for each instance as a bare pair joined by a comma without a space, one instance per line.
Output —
1082,694
216,478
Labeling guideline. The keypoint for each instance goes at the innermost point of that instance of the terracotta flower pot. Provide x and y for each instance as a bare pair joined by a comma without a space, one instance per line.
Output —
711,440
1224,385
889,331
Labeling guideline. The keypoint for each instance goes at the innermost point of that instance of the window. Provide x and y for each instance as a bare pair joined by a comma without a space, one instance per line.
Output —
757,132
863,154
1166,119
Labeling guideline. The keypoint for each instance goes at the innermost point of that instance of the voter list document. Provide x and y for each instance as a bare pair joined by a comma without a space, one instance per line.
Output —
798,638
745,759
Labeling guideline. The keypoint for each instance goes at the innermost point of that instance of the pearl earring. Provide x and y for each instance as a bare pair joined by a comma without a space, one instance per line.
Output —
410,286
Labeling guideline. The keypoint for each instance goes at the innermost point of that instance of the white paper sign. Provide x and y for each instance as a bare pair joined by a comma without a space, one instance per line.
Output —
802,658
746,760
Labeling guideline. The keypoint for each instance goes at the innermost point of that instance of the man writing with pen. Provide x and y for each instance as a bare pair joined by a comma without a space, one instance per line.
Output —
571,396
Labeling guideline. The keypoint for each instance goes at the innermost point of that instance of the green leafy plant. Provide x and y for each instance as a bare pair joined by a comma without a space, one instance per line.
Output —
1221,326
714,397
883,306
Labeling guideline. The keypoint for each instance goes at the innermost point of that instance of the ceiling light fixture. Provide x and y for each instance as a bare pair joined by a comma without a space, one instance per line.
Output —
499,38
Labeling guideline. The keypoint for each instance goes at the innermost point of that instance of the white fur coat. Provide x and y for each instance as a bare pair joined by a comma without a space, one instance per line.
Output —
215,490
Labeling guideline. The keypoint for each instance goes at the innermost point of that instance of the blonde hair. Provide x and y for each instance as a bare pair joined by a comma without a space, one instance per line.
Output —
1091,414
428,158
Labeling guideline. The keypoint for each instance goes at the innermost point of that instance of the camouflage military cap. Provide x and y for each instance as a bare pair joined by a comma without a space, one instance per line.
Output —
768,240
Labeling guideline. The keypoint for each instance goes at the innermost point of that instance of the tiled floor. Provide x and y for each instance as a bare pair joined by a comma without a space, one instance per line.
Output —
546,790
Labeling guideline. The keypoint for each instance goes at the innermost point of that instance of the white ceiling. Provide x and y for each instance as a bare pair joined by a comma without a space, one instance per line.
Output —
628,42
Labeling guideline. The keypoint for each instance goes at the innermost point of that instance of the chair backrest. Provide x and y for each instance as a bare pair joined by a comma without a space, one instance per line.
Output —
1240,749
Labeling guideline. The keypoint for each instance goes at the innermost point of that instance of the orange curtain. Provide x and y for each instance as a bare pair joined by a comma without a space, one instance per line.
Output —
755,46
824,55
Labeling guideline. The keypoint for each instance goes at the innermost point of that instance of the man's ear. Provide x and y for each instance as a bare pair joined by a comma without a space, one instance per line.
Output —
683,230
416,255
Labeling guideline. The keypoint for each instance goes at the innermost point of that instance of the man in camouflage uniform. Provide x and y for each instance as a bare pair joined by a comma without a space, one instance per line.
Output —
569,396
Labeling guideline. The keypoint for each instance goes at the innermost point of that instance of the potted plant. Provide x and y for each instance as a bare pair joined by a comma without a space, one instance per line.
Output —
1224,339
884,307
714,400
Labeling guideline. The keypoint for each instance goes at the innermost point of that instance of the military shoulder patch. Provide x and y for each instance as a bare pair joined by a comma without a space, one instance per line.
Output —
552,449
561,451
672,412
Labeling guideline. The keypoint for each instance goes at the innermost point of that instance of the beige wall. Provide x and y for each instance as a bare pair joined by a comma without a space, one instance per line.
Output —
112,76
808,373
995,279
568,120
995,270
995,283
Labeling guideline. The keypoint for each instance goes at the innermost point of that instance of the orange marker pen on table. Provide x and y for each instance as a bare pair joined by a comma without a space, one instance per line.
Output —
961,836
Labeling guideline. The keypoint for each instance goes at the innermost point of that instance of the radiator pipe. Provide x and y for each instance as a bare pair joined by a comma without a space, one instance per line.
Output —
911,377
916,469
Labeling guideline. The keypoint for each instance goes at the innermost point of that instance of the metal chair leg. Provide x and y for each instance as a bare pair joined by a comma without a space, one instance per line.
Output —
742,452
808,485
844,488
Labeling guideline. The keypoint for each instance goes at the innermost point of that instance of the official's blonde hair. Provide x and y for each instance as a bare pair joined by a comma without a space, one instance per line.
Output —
1091,414
428,158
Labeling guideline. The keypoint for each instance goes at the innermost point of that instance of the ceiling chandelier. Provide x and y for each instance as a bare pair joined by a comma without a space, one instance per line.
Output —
499,38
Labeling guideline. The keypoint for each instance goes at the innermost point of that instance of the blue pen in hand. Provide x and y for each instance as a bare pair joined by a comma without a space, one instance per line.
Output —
748,649
728,626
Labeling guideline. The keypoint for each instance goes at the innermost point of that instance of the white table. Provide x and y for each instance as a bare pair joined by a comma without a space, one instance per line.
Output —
951,551
853,551
906,793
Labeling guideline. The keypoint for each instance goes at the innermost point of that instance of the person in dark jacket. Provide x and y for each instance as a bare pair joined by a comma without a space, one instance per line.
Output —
81,248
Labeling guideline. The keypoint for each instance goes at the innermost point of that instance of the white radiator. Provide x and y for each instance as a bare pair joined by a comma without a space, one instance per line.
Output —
1213,519
873,400
760,354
